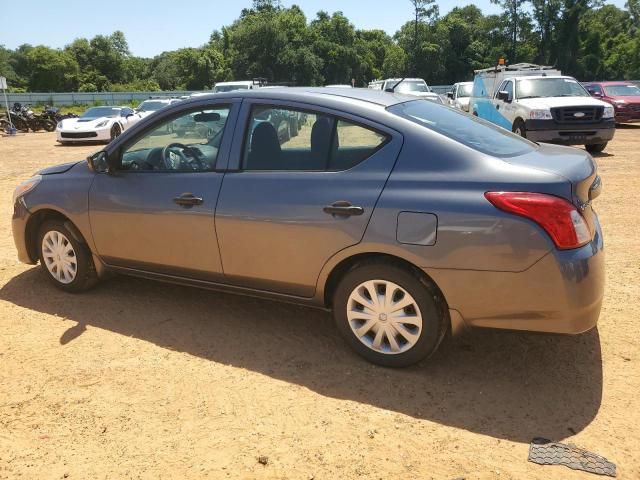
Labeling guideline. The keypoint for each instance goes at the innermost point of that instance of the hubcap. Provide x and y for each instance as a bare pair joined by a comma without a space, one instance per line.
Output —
384,316
59,257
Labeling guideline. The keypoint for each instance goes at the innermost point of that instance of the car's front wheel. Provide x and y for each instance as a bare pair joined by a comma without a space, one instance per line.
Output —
65,261
115,131
597,147
519,128
388,314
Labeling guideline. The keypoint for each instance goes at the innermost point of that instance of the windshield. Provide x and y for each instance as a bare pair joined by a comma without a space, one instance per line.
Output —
622,91
229,88
550,87
409,86
98,112
466,129
151,105
465,90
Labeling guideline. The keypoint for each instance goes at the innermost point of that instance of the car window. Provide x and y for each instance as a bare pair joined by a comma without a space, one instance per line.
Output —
471,131
187,143
464,90
594,89
503,85
298,140
355,143
508,87
622,90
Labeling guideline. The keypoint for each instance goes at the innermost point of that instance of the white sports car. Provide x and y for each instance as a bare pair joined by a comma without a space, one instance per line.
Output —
97,124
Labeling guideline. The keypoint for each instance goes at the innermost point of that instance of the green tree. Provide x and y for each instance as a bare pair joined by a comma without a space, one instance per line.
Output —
422,10
51,70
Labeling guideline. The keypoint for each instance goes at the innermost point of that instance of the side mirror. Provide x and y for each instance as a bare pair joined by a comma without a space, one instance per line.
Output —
112,161
130,115
97,162
504,96
450,95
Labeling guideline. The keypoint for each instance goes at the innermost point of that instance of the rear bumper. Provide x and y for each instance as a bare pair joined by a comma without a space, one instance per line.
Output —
561,293
549,131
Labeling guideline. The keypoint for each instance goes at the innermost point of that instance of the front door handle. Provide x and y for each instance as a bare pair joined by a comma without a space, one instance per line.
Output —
188,200
343,208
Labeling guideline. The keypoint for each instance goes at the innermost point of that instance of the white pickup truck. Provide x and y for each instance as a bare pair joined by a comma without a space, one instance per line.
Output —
543,105
459,95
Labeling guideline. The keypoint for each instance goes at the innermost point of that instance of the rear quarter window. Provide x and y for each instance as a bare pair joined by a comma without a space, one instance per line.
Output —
465,129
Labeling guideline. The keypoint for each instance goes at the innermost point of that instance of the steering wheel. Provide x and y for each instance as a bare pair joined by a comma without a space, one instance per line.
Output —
183,152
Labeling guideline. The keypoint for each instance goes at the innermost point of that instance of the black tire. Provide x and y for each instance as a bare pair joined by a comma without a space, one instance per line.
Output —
596,147
519,128
426,295
85,275
48,125
115,131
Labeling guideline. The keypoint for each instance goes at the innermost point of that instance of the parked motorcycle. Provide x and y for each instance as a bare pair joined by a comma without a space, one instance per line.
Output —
53,114
24,119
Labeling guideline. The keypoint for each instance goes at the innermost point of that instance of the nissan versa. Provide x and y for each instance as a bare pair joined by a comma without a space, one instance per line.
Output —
404,217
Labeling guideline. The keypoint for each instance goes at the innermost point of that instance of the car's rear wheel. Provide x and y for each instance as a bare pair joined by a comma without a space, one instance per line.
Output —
388,314
65,261
115,131
519,128
597,147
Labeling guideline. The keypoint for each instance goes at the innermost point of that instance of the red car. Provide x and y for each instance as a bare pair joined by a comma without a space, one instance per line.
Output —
624,96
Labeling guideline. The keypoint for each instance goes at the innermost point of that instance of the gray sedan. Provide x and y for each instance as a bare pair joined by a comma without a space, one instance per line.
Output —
406,218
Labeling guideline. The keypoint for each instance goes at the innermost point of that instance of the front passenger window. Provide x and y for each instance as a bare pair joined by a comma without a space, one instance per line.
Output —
188,143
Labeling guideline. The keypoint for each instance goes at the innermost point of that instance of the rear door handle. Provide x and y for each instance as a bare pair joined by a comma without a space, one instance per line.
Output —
343,208
188,200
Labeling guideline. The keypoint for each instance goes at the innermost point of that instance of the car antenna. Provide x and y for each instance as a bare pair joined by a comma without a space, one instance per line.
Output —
392,89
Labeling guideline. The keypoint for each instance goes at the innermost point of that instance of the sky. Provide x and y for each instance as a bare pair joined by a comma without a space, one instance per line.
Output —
152,27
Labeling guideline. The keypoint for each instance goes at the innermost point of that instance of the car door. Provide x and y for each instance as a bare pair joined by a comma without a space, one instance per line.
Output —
500,115
156,211
509,106
290,204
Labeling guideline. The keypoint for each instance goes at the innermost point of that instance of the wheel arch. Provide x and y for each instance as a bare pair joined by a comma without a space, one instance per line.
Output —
37,219
343,266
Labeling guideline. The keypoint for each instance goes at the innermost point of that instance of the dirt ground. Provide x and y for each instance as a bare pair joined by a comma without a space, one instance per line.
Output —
138,379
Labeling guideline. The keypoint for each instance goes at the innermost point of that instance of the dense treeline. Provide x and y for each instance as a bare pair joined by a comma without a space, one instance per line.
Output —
584,38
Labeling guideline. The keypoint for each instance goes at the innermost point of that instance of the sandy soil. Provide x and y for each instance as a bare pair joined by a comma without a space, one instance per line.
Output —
138,379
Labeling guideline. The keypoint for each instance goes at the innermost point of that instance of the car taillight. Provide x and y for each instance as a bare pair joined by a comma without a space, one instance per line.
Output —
559,218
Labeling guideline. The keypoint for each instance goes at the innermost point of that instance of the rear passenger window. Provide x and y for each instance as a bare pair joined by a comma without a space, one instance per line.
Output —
297,140
355,143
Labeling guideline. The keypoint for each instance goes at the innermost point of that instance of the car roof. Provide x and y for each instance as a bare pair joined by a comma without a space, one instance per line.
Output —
305,94
236,82
538,77
610,83
406,79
